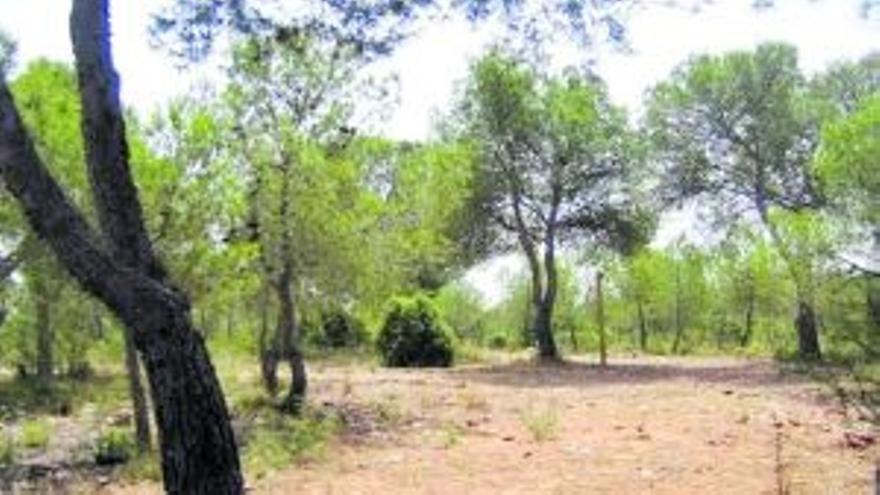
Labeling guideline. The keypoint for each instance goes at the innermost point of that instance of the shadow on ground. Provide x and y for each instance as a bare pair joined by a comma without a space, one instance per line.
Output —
742,373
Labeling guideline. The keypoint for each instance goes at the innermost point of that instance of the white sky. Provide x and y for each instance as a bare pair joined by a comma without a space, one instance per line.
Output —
824,31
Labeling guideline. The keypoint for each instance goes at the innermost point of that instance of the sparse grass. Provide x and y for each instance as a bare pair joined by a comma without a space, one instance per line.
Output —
388,412
8,450
142,467
114,446
278,441
473,401
451,435
542,425
35,433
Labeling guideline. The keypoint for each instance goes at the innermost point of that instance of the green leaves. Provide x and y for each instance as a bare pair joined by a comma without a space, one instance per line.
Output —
847,162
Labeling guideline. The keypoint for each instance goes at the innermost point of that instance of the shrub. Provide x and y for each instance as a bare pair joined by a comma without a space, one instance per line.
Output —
7,450
115,446
35,433
413,335
339,328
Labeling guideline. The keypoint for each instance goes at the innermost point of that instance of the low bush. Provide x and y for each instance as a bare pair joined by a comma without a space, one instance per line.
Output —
35,433
413,335
114,446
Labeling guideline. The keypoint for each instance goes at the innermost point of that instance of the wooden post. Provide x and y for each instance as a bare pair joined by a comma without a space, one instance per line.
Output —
600,321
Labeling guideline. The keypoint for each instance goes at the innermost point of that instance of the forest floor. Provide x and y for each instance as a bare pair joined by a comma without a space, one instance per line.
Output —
641,425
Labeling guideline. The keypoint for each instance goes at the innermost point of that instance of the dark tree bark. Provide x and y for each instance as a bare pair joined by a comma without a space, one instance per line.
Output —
199,453
268,359
750,315
643,326
543,289
137,392
808,332
289,346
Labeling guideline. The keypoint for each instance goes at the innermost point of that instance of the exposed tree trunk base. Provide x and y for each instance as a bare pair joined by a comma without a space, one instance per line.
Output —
199,453
296,396
807,328
269,371
543,330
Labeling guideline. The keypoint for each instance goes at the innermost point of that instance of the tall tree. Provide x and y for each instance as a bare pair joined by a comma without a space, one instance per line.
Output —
737,132
556,163
118,266
293,98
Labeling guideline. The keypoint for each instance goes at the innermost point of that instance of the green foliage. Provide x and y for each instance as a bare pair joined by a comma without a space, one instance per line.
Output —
339,328
8,450
543,426
413,335
847,162
35,433
114,446
279,440
460,307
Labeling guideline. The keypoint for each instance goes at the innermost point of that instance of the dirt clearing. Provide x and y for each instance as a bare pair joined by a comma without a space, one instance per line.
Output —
646,425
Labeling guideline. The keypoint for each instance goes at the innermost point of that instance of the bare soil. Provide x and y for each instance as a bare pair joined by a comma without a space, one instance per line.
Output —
642,425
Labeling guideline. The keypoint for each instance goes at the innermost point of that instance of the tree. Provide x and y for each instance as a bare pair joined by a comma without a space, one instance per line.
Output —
847,164
292,100
556,162
118,266
737,132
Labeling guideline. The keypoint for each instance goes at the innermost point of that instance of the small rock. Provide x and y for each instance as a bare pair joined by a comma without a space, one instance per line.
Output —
859,441
508,438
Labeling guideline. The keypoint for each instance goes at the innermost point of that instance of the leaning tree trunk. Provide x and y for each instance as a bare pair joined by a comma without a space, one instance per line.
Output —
807,327
138,395
199,453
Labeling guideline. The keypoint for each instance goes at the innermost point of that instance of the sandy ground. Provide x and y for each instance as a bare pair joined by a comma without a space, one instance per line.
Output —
647,425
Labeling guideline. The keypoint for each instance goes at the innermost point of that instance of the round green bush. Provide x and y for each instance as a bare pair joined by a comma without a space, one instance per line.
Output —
413,335
341,329
333,328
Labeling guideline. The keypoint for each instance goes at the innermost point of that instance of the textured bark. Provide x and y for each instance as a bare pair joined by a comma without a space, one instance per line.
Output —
543,290
199,454
268,349
808,331
289,343
137,392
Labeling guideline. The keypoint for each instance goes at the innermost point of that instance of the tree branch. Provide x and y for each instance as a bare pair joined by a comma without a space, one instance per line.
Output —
103,129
